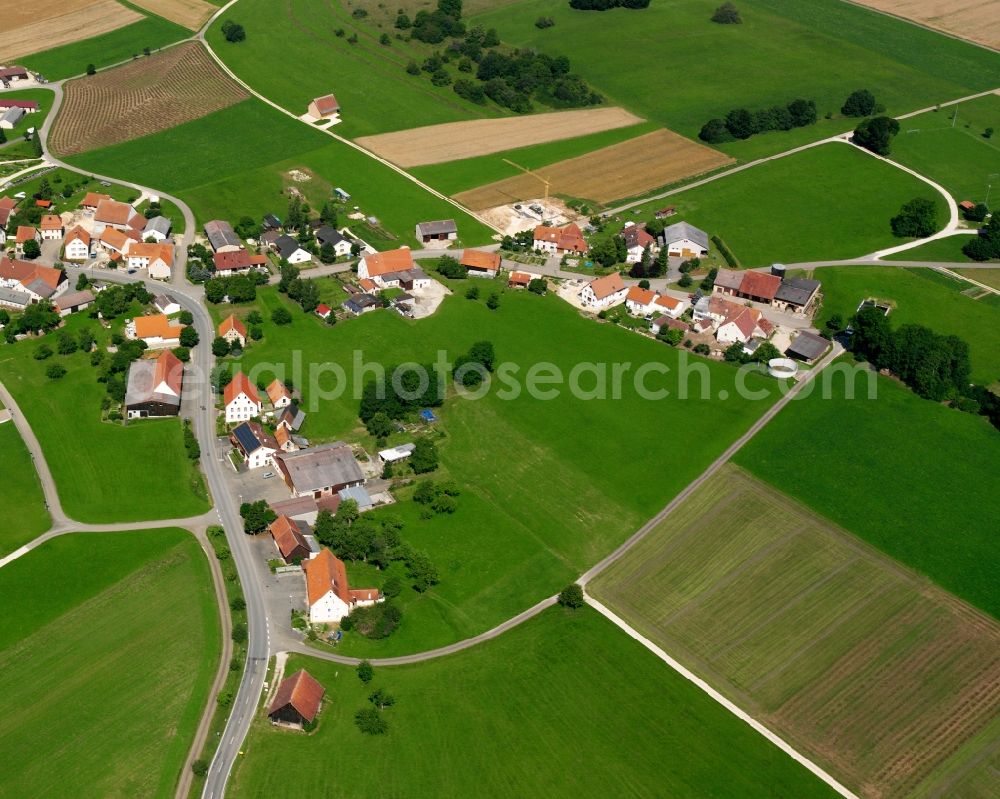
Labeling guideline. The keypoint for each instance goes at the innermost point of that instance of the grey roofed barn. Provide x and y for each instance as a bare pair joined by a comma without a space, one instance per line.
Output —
797,290
323,468
682,230
807,346
158,224
221,234
437,227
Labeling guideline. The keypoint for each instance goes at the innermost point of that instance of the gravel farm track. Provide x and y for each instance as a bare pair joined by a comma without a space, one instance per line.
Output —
434,144
141,97
44,24
627,169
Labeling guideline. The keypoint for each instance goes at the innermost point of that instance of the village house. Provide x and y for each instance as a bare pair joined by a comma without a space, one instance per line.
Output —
636,241
639,301
76,246
157,258
73,301
166,304
289,539
439,230
325,107
329,235
289,248
392,269
279,394
604,292
13,74
241,400
254,443
24,234
15,300
318,471
286,443
51,227
480,263
36,281
233,330
662,323
154,387
685,241
221,236
518,280
157,330
232,262
329,594
91,200
296,701
797,295
560,240
291,418
361,304
741,324
158,229
323,311
270,222
115,242
120,216
669,306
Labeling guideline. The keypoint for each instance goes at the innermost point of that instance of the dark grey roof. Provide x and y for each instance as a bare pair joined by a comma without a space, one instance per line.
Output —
16,298
162,301
158,224
271,221
328,235
221,234
248,441
682,230
807,346
12,115
796,290
73,299
437,227
292,415
286,245
360,302
322,467
40,287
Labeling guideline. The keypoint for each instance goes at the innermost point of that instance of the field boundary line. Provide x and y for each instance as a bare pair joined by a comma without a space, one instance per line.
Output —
918,24
733,708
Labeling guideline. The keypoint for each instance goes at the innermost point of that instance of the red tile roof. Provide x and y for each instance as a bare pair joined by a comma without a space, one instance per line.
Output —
25,233
278,391
231,323
327,104
640,295
287,536
760,284
93,199
519,278
169,370
327,572
569,238
480,259
112,212
43,203
240,384
389,261
607,285
156,326
51,222
323,309
302,692
25,272
233,259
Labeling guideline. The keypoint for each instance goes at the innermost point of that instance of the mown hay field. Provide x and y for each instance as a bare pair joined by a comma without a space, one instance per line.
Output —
191,14
44,24
968,19
140,98
886,680
435,144
627,169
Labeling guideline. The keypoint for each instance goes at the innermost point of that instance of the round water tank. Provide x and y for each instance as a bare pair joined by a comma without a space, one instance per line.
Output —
782,367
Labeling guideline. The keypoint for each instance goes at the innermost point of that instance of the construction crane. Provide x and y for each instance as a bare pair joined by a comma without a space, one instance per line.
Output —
546,181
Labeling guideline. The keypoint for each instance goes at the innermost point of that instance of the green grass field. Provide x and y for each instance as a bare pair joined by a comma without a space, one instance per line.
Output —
103,471
226,177
108,646
920,296
948,146
563,497
801,626
22,505
946,250
369,79
902,473
548,709
44,99
828,202
469,173
107,49
693,69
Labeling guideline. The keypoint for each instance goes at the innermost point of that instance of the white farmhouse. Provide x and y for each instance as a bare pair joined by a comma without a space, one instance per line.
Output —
685,241
330,596
604,292
242,400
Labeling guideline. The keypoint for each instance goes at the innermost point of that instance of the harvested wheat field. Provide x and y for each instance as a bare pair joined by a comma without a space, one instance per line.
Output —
622,170
192,14
436,144
975,20
44,24
888,682
142,97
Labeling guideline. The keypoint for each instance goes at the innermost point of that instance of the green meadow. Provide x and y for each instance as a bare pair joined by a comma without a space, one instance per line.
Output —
919,296
549,485
22,504
547,709
671,64
224,176
103,471
907,475
369,79
108,646
828,202
946,250
107,49
949,147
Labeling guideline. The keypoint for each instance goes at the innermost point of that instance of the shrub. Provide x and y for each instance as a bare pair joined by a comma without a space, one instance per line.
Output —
861,103
571,596
281,316
916,219
370,721
544,22
233,31
55,371
727,14
377,621
200,768
44,351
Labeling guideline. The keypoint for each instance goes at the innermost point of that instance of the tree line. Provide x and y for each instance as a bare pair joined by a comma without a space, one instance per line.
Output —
741,123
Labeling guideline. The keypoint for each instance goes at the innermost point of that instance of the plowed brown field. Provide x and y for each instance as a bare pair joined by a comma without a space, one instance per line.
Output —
612,173
886,681
975,20
145,96
435,144
43,24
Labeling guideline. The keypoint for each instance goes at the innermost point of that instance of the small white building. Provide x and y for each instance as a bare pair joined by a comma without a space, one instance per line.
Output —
685,241
604,292
76,247
290,249
254,443
639,301
241,400
51,227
